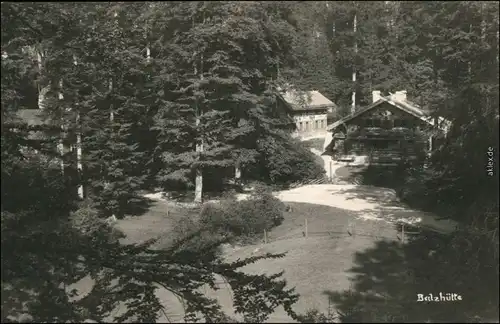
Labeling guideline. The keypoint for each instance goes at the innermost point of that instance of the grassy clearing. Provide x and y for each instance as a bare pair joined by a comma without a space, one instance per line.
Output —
317,264
314,265
158,221
322,267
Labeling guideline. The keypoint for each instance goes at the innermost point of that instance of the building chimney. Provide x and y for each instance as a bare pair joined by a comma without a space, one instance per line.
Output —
376,95
399,96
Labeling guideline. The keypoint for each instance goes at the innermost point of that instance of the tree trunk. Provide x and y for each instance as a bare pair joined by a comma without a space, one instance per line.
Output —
237,165
111,111
353,107
42,91
111,120
61,148
60,145
79,164
469,64
498,38
237,172
199,150
198,193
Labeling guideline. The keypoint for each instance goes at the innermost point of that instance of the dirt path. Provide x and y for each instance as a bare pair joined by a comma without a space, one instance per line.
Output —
370,203
373,203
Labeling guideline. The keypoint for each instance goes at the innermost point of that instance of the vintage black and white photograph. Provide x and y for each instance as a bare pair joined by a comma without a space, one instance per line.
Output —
250,162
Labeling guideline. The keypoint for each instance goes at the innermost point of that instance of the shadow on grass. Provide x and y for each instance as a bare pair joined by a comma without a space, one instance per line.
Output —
138,206
385,197
186,196
387,278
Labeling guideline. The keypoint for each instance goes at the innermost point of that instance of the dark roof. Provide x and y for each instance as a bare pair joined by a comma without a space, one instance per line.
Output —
403,105
306,100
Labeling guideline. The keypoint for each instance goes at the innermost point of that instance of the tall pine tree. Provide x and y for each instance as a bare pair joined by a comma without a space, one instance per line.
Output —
224,58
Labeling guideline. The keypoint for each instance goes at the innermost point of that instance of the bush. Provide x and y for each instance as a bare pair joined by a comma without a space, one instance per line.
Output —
315,316
189,234
230,220
245,218
284,161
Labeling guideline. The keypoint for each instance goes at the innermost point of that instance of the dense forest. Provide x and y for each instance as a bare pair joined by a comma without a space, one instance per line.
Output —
182,96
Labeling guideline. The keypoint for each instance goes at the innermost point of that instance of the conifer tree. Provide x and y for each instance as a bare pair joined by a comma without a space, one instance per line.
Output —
224,56
47,243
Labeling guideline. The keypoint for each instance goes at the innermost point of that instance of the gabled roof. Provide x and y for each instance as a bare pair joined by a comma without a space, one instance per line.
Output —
306,100
404,105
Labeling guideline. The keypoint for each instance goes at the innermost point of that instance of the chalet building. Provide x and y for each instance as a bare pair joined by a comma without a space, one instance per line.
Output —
308,109
388,131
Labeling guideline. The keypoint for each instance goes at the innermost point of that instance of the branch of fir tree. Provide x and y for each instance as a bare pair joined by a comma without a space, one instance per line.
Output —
41,36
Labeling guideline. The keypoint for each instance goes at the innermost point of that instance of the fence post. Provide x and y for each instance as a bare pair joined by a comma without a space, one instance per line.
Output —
306,231
265,236
331,175
403,233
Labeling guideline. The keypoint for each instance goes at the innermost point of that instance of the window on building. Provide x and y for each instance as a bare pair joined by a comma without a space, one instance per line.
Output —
357,147
316,124
394,145
401,123
377,123
300,126
307,126
387,123
380,144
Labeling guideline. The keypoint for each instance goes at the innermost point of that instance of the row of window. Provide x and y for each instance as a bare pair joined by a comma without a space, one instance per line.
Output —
380,145
311,113
377,145
311,125
387,123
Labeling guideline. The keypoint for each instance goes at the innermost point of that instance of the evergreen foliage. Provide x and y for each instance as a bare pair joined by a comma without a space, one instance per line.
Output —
92,55
217,89
245,219
163,92
445,54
